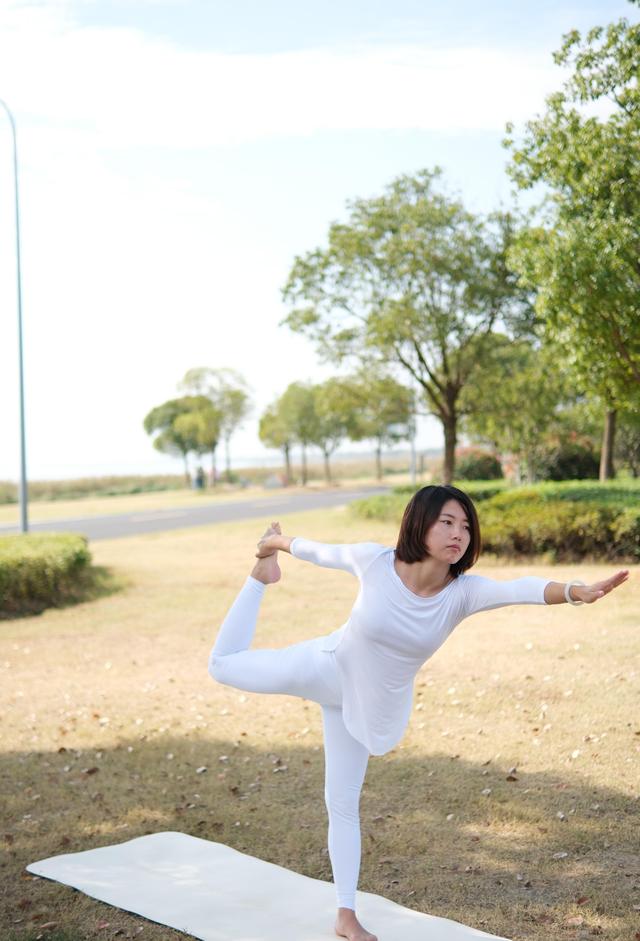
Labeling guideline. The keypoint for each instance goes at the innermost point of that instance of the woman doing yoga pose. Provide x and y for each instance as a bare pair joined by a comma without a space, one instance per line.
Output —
410,600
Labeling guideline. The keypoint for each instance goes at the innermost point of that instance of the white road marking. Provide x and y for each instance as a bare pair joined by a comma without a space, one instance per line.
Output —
160,515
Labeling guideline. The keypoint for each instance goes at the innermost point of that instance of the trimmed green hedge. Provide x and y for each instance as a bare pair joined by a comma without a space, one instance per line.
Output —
566,521
38,571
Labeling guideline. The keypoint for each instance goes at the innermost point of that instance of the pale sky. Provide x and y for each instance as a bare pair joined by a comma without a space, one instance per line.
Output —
175,155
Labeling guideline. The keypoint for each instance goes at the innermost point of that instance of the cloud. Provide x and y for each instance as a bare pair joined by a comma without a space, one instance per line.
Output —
130,89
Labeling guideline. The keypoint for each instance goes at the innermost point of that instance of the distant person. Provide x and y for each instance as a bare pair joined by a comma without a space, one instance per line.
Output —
200,479
411,598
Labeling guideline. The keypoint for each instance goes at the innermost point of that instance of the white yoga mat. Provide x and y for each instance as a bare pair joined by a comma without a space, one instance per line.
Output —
215,893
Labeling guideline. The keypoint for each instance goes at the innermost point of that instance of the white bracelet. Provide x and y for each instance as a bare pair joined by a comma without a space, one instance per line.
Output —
567,589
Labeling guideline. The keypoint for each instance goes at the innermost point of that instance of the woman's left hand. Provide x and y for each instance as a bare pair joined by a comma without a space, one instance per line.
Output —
591,593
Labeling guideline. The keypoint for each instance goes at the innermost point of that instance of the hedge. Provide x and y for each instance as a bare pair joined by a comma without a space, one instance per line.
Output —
565,521
41,570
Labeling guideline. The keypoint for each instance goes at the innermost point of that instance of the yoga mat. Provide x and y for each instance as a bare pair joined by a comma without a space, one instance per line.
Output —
215,893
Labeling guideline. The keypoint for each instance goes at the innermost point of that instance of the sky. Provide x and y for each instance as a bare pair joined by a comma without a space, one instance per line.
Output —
176,155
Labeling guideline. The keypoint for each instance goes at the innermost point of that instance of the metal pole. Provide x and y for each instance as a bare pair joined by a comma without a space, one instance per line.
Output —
24,524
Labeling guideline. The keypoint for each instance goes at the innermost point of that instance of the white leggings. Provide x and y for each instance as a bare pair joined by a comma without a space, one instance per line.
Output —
302,670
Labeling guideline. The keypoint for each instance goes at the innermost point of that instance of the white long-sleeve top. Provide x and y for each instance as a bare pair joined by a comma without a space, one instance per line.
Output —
392,631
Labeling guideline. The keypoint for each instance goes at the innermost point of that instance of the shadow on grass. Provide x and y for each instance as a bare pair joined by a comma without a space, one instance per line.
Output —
493,865
95,583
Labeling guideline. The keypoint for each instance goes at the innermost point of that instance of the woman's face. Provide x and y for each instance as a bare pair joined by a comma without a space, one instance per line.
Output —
448,538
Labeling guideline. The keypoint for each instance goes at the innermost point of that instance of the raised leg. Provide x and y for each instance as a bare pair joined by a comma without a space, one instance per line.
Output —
345,768
297,670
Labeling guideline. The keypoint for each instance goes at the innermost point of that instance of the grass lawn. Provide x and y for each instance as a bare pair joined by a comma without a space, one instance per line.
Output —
107,712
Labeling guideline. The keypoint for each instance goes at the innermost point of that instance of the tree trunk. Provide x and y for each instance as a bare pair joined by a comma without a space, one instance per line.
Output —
450,438
304,465
187,475
379,460
607,470
227,457
287,464
327,469
213,477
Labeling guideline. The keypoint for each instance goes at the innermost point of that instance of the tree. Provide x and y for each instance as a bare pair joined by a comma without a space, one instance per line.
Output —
274,432
381,409
297,408
412,279
513,399
333,417
581,250
201,426
178,423
229,394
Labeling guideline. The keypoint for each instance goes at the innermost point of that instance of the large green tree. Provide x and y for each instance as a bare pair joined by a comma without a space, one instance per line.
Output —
581,250
411,279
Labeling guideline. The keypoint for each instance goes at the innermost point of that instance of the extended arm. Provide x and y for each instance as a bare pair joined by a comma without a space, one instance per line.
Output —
354,558
554,592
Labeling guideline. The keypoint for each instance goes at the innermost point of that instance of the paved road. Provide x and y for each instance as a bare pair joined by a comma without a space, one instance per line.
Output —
155,521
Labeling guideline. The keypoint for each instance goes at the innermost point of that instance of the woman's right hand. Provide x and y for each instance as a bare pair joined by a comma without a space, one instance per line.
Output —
272,541
268,545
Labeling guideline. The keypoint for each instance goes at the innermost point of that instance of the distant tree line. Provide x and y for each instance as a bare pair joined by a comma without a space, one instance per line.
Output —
360,407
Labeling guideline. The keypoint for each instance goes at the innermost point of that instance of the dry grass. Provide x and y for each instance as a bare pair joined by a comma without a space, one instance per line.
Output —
107,711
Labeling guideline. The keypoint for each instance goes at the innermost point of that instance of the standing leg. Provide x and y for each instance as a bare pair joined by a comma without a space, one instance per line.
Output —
345,767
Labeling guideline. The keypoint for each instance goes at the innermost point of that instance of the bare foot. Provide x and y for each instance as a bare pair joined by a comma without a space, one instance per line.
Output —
267,570
348,926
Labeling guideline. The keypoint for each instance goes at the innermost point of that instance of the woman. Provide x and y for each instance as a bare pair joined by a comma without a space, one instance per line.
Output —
410,600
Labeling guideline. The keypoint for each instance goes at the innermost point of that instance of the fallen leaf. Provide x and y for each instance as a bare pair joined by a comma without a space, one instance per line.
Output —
102,924
582,900
574,922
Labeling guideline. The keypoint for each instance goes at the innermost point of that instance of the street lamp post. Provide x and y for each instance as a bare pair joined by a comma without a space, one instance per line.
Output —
24,525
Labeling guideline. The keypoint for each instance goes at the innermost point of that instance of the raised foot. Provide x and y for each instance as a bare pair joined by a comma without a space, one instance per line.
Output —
348,926
267,570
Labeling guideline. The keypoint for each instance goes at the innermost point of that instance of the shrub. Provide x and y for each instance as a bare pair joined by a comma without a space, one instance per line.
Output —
626,533
568,460
566,530
567,521
475,464
40,570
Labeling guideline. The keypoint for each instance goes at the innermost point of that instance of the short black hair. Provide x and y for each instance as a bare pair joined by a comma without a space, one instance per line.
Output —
422,511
